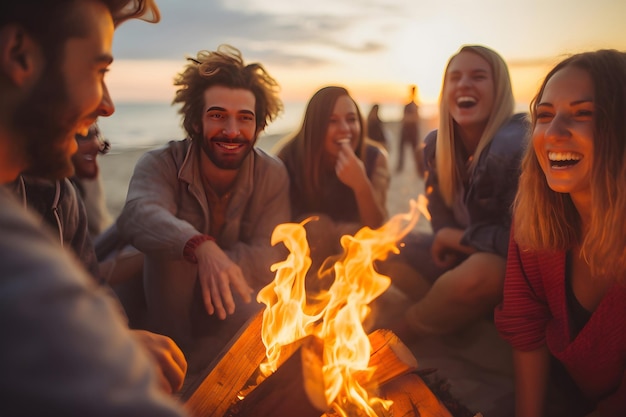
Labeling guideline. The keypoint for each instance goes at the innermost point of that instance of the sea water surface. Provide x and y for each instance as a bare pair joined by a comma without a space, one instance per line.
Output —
147,125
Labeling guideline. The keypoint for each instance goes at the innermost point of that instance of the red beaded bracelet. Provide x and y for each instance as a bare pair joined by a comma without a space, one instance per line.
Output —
189,252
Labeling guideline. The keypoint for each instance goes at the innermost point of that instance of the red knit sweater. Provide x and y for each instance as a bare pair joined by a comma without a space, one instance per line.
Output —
534,312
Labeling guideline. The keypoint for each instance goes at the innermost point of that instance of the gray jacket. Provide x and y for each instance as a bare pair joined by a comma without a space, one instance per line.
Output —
166,206
65,349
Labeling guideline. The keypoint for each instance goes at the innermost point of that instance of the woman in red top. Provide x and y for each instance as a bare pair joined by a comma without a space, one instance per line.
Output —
564,293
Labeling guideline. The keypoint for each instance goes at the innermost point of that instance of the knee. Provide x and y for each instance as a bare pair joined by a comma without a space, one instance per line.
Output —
475,289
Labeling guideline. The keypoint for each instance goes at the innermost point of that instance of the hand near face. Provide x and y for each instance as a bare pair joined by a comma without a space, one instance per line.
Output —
171,363
217,274
349,168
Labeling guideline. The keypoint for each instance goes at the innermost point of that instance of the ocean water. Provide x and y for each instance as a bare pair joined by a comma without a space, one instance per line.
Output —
146,125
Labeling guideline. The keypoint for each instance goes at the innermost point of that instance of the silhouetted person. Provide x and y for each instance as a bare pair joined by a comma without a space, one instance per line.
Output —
409,134
375,129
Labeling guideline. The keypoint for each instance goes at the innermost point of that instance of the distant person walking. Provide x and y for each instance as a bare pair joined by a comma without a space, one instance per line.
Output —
375,130
409,134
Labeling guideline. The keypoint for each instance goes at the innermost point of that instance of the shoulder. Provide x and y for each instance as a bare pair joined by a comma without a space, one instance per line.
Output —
512,135
269,163
375,150
175,150
430,142
26,249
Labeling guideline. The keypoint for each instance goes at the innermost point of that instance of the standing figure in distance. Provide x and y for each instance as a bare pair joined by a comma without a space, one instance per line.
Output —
375,127
564,306
203,209
409,134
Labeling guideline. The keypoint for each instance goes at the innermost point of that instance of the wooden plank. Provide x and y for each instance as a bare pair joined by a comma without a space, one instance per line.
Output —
240,361
412,397
297,386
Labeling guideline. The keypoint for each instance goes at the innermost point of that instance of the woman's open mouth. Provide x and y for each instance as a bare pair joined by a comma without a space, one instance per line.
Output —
564,159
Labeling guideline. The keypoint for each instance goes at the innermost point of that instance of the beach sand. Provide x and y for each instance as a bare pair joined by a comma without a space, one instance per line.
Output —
476,362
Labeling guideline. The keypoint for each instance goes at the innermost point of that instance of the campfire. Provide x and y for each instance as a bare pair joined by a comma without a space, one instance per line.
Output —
316,357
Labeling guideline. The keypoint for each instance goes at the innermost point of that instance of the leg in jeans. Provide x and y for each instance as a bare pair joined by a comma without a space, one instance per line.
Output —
412,270
460,296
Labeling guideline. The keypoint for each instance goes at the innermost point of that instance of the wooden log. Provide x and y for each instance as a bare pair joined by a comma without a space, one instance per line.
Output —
297,386
412,397
390,356
240,361
283,393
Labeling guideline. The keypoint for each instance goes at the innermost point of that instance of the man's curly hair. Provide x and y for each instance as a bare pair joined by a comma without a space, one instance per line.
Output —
224,67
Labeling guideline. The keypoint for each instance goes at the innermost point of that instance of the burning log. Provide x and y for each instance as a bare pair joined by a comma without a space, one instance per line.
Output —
297,387
335,364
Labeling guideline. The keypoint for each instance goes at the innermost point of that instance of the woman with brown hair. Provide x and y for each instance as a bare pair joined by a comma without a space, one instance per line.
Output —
564,294
335,172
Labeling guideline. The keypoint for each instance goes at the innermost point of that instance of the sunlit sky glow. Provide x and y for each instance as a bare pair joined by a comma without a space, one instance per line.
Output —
373,47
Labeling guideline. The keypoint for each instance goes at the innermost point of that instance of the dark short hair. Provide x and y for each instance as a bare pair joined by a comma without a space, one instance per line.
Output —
51,22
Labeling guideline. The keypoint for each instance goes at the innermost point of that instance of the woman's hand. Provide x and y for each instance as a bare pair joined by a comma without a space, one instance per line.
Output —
350,169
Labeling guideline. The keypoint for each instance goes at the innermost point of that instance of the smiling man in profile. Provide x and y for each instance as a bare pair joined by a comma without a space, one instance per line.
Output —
65,348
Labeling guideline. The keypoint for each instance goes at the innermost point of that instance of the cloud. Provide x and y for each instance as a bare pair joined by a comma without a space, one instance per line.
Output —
296,39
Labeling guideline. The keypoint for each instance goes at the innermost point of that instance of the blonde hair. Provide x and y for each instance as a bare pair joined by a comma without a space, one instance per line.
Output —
503,106
547,220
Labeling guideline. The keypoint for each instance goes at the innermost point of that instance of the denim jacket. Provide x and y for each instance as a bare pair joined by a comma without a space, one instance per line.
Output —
490,190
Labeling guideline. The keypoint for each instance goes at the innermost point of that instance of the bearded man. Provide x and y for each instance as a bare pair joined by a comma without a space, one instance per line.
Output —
65,349
203,209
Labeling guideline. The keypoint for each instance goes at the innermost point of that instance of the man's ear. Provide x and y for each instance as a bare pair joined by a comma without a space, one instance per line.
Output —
19,55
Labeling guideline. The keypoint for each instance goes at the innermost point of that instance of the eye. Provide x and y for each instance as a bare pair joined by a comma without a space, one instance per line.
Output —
544,116
215,116
584,113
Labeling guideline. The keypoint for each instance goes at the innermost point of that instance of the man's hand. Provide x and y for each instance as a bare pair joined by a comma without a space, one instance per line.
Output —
217,273
171,363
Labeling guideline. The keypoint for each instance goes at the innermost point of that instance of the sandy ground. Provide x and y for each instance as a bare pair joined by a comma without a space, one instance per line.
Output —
475,362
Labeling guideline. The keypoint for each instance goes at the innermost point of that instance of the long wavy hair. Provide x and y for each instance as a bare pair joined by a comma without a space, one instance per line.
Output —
503,106
547,220
224,67
305,148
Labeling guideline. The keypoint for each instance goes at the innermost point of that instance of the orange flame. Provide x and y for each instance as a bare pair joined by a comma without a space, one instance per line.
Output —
337,315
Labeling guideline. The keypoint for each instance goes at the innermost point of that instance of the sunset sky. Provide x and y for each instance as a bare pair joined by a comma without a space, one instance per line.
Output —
374,47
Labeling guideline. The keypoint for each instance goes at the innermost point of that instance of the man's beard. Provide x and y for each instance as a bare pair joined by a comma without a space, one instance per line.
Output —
43,124
221,162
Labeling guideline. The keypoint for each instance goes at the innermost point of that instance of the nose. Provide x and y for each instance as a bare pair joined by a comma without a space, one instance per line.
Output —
106,107
464,80
344,126
558,127
231,130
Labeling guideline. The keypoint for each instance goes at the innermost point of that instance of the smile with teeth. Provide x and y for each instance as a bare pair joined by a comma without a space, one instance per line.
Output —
229,146
465,102
564,159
